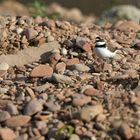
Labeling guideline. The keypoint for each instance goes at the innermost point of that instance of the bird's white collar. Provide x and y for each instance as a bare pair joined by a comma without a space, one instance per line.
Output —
100,43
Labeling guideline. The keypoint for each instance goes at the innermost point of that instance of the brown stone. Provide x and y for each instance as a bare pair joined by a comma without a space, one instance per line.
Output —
90,112
7,134
125,131
54,58
30,33
86,47
41,71
60,67
17,121
41,40
72,61
90,91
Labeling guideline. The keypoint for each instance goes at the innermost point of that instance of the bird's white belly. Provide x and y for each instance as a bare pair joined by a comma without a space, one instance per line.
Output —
103,52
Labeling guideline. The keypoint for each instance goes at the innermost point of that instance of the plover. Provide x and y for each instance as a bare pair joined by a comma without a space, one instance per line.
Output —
101,49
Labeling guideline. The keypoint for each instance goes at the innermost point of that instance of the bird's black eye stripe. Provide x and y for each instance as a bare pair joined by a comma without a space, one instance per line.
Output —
100,46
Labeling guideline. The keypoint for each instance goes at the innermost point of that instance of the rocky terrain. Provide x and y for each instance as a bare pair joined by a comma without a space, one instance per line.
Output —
54,87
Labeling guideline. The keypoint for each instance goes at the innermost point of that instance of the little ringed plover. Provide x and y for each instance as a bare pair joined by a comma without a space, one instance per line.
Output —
101,49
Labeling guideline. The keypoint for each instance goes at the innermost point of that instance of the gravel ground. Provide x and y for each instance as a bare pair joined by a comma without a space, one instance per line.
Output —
66,91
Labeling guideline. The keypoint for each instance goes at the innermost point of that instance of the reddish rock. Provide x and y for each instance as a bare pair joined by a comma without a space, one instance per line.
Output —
41,71
18,121
60,67
90,91
30,33
72,61
7,134
125,131
86,47
39,40
54,58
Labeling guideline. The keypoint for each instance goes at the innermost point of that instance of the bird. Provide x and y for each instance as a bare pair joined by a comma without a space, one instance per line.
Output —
101,49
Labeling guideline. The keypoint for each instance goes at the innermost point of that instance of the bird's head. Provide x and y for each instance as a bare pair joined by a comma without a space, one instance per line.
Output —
99,42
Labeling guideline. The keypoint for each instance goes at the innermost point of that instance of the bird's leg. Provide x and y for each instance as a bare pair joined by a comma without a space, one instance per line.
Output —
109,60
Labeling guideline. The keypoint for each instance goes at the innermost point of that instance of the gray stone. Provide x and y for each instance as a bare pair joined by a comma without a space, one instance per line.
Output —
42,87
80,67
128,12
12,109
41,124
53,106
80,41
4,115
58,78
33,107
3,90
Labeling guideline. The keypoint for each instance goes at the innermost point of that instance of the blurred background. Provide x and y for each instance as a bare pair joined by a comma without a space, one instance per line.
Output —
75,10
